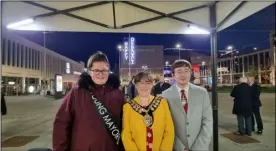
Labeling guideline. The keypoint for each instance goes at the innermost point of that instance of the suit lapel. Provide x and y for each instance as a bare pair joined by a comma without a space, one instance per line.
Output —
177,100
191,100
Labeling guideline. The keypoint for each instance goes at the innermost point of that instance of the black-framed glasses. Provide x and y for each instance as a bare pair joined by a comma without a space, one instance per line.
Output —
98,71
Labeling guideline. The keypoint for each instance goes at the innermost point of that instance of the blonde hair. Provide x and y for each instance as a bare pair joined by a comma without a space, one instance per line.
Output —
243,80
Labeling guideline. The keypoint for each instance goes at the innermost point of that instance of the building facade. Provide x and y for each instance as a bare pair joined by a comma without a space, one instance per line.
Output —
147,58
25,63
229,70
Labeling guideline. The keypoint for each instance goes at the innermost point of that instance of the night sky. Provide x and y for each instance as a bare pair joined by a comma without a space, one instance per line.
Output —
244,35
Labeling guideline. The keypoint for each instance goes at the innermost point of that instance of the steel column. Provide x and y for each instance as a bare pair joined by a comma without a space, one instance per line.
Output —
213,42
1,3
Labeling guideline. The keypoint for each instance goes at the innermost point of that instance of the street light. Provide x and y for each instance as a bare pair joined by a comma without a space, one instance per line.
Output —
196,30
167,63
178,46
255,48
119,47
20,23
230,49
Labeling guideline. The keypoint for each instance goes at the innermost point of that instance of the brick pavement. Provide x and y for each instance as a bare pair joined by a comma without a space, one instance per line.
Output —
33,115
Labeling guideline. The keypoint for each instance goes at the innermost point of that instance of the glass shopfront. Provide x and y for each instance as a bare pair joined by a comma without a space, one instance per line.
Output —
32,86
11,85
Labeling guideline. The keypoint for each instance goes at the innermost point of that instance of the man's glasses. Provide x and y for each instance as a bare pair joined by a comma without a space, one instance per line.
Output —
97,71
187,71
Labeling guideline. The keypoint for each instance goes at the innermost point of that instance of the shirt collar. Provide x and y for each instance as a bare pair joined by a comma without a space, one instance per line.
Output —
186,88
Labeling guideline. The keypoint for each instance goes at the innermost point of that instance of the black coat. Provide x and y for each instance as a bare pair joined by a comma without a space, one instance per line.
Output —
158,88
3,105
256,92
242,94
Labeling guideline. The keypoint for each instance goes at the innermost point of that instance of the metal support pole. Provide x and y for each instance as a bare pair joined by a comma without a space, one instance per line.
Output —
44,39
119,51
178,53
213,42
231,68
1,3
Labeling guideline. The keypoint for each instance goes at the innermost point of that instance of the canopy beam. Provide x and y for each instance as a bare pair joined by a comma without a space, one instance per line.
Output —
230,14
114,15
71,9
69,14
162,15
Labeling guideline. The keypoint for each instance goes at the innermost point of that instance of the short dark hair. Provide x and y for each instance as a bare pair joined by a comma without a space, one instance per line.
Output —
97,57
180,63
142,76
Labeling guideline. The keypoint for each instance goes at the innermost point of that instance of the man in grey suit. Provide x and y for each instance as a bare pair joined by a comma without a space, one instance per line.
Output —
191,110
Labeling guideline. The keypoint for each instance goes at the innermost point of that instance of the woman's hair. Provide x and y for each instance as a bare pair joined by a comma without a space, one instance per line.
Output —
86,82
113,81
97,57
142,76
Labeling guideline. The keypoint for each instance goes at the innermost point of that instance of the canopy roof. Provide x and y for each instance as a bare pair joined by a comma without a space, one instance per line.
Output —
128,17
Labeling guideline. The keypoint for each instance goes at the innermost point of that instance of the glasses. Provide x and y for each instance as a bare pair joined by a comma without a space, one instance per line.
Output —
97,71
185,72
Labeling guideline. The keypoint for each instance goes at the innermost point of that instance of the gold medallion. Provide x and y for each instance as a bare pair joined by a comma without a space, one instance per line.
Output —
148,120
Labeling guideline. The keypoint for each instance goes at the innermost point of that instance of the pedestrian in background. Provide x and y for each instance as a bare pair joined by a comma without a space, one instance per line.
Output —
243,106
256,105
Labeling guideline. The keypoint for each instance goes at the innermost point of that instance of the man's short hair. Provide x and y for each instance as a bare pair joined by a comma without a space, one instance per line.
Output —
181,63
243,80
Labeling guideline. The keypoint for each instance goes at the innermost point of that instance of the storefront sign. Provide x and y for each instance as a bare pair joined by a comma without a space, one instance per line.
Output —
59,86
132,50
126,50
222,69
67,68
129,51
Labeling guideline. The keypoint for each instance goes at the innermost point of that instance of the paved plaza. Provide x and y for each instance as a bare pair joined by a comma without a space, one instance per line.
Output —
33,116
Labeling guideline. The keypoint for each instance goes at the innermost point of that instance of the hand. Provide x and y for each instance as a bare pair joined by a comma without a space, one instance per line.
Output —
186,149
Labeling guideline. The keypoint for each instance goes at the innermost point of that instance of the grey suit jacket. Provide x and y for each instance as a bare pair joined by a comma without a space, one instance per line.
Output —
193,130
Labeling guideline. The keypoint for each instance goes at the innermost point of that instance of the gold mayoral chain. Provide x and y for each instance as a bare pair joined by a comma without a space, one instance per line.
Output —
148,119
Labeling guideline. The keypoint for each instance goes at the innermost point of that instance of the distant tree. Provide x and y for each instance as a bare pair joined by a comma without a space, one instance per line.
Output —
252,71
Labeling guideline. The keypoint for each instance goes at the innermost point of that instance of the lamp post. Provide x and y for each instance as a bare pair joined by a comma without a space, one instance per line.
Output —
230,49
204,71
44,37
178,46
120,48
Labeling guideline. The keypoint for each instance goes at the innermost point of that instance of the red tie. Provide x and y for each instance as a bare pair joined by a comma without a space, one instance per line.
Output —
184,99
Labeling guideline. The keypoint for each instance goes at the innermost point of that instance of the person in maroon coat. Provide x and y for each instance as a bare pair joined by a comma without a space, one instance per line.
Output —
89,118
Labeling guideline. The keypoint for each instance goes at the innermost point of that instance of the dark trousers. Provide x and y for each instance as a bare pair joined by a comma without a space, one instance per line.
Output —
244,124
256,115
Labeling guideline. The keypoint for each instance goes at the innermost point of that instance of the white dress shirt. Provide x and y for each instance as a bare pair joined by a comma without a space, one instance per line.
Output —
186,91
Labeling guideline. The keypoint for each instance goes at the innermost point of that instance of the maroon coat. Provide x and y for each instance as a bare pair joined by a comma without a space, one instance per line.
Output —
78,127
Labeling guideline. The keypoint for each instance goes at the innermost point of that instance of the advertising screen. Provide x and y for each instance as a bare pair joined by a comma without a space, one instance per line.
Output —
59,82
